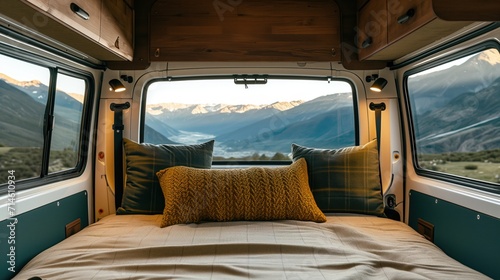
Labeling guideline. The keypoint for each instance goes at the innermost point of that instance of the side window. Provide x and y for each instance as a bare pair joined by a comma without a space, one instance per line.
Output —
456,117
254,120
42,112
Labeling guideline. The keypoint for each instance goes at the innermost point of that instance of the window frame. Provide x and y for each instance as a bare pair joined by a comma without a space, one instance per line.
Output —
55,67
442,176
242,163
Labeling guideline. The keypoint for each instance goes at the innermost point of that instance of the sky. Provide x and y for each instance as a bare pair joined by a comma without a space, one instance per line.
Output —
190,92
444,66
23,71
205,91
217,91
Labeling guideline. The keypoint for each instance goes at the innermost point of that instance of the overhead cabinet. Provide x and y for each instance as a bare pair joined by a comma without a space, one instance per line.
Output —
257,30
102,29
390,29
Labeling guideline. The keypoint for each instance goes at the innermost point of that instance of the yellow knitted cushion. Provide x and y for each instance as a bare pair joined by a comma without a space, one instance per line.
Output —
256,193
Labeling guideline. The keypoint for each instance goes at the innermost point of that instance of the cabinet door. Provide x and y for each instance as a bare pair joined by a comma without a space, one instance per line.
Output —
83,16
407,16
372,28
117,27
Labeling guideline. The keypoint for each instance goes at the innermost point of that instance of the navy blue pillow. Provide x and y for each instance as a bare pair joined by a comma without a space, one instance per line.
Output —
142,193
344,180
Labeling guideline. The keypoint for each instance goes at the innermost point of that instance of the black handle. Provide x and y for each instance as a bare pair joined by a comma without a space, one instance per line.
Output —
406,17
79,11
366,43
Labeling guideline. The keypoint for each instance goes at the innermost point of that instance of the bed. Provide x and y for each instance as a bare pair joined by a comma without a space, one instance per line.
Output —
344,247
321,217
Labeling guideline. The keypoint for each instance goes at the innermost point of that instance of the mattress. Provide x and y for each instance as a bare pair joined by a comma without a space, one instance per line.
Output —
344,247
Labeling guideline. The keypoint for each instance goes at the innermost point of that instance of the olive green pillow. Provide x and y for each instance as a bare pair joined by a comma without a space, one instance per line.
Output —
255,193
344,180
142,193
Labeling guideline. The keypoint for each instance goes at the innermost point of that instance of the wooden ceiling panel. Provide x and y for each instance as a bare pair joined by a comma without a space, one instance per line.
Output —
251,30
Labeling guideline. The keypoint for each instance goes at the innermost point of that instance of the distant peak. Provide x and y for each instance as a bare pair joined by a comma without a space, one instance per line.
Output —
199,109
157,109
13,81
491,56
285,105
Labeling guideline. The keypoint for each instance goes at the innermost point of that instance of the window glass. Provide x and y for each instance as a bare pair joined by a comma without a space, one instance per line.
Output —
23,98
253,121
456,116
33,144
68,111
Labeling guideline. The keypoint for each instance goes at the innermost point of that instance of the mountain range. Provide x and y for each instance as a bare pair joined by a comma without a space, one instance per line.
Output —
452,113
458,109
326,121
22,109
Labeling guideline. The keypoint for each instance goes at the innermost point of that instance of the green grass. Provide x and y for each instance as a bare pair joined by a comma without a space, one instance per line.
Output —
4,150
27,161
483,165
486,171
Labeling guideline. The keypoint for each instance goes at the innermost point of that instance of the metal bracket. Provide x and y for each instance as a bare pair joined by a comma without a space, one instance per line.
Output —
379,106
119,107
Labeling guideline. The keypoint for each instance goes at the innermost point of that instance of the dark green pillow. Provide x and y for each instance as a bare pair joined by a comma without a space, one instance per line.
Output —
344,180
142,193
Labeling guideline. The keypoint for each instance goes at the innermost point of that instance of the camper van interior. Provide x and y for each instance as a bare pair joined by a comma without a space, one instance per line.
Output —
249,139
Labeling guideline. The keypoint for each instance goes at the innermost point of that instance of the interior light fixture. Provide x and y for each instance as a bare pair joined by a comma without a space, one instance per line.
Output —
116,86
378,85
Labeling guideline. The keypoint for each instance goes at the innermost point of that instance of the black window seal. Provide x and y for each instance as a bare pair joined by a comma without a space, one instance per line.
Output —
48,122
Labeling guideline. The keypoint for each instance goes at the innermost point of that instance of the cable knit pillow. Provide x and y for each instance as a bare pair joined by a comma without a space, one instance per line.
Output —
142,193
255,193
345,179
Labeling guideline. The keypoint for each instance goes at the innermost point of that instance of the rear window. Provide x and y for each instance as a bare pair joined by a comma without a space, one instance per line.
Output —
251,118
455,110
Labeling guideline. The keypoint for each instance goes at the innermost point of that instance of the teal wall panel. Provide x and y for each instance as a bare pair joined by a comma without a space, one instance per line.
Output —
468,236
38,229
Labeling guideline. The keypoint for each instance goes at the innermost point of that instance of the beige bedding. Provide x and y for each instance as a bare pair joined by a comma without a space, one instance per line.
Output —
345,247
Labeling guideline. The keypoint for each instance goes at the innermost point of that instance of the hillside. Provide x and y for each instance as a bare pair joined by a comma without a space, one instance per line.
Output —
467,123
28,99
436,89
326,121
213,119
323,122
17,129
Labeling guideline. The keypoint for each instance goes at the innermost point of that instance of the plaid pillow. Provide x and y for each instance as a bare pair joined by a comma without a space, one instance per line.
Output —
142,193
344,180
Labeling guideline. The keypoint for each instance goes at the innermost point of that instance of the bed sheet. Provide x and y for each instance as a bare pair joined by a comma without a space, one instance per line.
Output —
345,247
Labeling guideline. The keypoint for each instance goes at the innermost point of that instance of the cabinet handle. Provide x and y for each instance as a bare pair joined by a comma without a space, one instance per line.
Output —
79,11
406,17
366,43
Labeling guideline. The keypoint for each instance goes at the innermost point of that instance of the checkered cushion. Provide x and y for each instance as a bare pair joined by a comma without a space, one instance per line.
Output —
142,193
344,180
